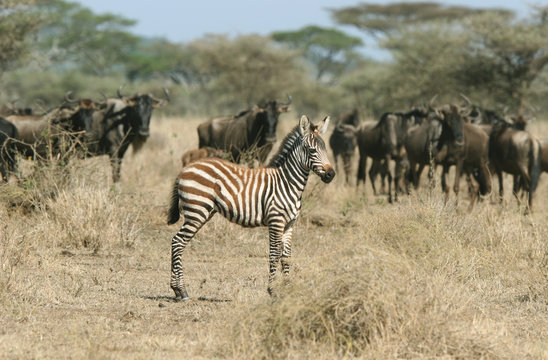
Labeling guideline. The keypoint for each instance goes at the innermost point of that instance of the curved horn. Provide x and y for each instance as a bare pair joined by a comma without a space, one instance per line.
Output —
166,93
431,103
289,100
465,98
119,91
468,109
68,98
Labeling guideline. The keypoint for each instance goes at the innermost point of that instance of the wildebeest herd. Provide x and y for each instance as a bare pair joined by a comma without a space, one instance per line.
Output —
478,142
105,127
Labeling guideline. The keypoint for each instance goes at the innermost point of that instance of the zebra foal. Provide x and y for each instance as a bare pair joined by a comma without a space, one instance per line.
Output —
269,196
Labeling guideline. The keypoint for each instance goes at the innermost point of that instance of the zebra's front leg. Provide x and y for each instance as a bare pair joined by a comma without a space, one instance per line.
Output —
286,250
275,234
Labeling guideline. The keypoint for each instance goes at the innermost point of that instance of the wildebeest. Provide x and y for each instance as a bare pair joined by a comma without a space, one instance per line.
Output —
405,121
8,132
41,136
195,154
464,145
120,123
421,146
379,142
516,152
11,109
481,116
343,140
251,130
544,161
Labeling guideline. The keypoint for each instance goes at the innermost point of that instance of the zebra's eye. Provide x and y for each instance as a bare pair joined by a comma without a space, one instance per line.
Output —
312,150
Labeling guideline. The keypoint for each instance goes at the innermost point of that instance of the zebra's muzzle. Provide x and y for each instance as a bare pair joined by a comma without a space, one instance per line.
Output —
328,176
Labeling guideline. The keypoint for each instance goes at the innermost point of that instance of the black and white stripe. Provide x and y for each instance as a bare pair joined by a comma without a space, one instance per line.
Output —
268,196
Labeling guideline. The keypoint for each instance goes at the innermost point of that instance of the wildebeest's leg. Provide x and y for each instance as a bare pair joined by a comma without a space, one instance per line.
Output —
390,178
362,163
417,177
501,187
473,189
336,160
444,186
458,173
275,233
116,163
178,244
373,171
524,181
347,164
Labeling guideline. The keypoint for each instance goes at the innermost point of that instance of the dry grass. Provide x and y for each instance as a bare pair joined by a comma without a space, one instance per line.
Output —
84,271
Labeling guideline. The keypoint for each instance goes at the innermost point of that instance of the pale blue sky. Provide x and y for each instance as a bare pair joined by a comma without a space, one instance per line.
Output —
183,20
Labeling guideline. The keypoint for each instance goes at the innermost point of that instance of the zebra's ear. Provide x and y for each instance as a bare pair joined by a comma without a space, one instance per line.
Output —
322,127
304,125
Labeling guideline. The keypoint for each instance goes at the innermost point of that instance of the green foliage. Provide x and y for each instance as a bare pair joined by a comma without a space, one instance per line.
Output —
75,35
386,19
329,50
245,70
484,53
17,21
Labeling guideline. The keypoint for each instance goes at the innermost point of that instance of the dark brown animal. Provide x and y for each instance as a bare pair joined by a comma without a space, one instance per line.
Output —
421,146
195,154
469,154
343,143
251,130
379,142
41,136
544,159
516,152
405,121
8,132
119,123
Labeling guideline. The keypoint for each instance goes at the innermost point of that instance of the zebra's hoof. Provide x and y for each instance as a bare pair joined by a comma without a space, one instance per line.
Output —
180,295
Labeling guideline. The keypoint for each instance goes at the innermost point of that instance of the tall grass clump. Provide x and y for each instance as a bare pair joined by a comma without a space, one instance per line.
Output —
411,288
76,202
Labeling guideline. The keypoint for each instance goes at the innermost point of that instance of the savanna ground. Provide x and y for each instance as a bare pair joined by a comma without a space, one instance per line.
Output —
85,273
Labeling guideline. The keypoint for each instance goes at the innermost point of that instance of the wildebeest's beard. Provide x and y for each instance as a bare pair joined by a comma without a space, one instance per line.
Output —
139,115
389,139
269,122
454,121
83,120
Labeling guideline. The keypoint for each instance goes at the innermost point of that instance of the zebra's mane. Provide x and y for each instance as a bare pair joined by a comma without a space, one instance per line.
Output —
288,143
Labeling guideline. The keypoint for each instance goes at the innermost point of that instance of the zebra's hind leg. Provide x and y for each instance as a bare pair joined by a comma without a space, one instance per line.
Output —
178,244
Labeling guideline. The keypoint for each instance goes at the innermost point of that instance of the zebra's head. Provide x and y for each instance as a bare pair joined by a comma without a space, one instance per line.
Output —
315,150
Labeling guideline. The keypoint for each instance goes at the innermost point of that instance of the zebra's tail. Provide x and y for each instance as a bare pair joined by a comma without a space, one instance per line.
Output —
174,215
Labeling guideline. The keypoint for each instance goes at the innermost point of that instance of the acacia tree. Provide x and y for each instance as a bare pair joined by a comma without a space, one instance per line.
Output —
330,51
245,69
455,49
18,20
74,36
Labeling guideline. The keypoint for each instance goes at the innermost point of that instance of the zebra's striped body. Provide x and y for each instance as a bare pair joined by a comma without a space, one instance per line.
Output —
268,196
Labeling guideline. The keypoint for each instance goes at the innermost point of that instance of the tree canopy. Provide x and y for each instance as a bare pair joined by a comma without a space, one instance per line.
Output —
330,51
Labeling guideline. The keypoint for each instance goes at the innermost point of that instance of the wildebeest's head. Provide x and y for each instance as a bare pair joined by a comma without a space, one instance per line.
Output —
451,116
82,119
139,110
268,114
79,113
388,134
